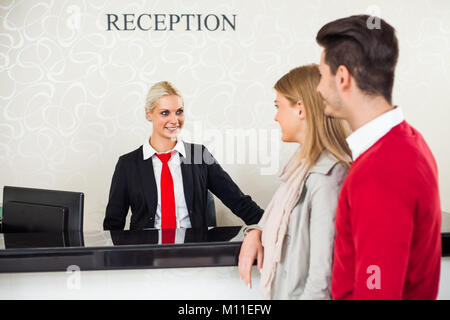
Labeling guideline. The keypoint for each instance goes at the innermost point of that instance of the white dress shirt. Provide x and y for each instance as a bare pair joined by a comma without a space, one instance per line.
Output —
366,136
182,215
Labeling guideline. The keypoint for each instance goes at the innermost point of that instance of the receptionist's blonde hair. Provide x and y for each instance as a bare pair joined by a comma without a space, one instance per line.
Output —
158,90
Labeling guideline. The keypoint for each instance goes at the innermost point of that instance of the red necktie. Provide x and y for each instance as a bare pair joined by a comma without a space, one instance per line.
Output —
168,217
168,236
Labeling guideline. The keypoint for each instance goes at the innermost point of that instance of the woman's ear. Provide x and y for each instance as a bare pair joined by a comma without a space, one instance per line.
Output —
148,115
301,109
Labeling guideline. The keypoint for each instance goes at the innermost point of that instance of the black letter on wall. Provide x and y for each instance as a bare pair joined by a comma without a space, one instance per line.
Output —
126,21
233,26
113,22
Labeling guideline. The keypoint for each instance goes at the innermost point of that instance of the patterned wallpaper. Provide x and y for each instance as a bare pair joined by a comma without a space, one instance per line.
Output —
72,93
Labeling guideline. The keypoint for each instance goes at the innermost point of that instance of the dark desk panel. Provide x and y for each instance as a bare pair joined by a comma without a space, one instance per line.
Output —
105,250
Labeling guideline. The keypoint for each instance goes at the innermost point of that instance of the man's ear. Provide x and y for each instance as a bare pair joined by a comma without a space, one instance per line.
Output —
343,78
301,109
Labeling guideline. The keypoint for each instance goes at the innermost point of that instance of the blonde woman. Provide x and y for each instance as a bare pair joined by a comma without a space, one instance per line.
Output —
166,180
293,241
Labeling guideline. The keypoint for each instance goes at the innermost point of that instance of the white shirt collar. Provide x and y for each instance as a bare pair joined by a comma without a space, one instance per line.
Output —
148,150
366,136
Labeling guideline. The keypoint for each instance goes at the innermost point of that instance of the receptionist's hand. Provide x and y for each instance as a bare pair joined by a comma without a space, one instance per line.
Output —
251,249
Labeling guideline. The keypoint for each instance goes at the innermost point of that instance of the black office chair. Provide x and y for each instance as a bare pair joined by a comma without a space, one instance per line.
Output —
39,210
210,211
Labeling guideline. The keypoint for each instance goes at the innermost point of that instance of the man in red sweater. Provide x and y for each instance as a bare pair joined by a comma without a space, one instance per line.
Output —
388,222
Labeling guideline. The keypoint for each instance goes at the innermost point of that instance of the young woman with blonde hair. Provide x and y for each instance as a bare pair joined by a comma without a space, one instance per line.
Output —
293,241
166,180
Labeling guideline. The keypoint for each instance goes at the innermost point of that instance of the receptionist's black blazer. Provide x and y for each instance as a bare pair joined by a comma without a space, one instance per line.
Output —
133,185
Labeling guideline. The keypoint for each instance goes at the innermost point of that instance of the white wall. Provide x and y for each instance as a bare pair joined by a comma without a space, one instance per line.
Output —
71,98
444,281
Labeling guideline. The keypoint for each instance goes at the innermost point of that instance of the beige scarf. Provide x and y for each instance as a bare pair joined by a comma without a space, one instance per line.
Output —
275,220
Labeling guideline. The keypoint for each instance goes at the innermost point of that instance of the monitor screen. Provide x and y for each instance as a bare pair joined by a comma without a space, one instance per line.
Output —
64,209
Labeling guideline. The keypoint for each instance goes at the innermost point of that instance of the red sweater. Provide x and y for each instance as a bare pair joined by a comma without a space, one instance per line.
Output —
388,222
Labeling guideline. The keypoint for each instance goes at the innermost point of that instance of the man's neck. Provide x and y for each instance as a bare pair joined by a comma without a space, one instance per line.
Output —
366,109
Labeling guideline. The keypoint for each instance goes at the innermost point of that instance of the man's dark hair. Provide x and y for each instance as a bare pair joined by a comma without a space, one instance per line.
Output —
369,51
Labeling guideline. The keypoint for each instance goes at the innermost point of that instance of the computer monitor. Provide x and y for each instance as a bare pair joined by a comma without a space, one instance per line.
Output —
40,210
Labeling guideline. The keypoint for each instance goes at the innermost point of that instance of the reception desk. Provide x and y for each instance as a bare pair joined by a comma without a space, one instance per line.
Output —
198,264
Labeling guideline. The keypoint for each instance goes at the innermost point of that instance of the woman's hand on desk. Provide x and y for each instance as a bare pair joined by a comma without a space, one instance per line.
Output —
251,249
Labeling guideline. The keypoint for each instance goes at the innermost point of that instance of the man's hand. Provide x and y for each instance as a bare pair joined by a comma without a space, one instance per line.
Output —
251,249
